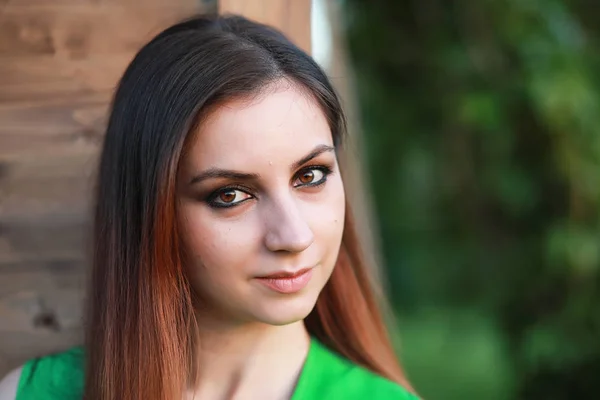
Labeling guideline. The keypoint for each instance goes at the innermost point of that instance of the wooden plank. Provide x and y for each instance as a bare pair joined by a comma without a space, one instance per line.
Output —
42,92
60,183
66,271
53,261
56,242
292,17
297,24
37,3
50,119
77,32
35,131
199,5
67,247
77,159
24,311
36,74
26,146
53,195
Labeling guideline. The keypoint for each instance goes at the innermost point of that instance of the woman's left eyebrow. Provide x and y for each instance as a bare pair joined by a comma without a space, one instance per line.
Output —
320,149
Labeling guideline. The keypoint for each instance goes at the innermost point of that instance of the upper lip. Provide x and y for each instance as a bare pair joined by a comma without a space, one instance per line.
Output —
285,274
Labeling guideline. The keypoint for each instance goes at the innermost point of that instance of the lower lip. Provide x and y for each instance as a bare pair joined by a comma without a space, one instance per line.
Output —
287,285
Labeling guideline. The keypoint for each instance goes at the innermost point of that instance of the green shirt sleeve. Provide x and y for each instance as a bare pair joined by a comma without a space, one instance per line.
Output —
54,377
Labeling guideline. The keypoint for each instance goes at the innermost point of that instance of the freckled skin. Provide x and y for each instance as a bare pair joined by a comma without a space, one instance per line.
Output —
276,225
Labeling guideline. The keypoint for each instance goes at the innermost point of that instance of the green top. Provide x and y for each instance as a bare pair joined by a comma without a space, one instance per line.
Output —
325,375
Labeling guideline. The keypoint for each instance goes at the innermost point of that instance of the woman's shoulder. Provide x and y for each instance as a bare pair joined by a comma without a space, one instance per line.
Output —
333,376
375,387
56,376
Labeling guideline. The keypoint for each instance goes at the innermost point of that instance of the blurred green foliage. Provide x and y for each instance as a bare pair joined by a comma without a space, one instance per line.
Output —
482,126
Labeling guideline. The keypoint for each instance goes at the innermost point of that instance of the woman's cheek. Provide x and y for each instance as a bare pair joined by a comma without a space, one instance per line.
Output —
226,245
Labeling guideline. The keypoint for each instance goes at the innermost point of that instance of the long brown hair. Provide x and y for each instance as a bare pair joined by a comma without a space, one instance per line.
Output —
141,314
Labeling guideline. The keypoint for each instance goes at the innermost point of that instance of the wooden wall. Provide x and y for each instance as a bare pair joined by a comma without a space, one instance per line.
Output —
59,63
292,17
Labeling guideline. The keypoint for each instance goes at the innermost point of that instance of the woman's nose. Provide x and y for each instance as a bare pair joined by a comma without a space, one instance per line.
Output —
287,228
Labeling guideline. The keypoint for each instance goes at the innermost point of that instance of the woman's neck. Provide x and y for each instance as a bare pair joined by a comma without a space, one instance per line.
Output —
250,361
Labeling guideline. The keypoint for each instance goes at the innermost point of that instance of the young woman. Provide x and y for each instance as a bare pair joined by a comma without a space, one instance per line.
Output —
226,263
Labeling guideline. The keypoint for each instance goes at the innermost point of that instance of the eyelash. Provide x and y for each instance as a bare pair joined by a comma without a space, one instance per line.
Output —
211,199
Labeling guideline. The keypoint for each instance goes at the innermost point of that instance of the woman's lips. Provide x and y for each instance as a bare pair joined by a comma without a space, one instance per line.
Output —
286,282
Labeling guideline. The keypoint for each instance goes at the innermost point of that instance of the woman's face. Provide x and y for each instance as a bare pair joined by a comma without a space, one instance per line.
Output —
261,207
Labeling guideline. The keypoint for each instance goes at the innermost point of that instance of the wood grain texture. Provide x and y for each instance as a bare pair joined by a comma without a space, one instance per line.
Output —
292,17
35,79
60,61
75,32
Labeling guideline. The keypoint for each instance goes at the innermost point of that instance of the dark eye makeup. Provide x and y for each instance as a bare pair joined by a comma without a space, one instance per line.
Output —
234,195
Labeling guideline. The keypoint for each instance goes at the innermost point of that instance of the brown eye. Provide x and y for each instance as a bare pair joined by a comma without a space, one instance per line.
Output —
307,177
311,177
227,197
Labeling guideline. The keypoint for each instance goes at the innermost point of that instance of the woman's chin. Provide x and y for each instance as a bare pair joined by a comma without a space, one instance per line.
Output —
285,311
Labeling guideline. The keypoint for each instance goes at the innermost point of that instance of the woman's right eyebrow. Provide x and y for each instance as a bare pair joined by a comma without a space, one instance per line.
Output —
216,173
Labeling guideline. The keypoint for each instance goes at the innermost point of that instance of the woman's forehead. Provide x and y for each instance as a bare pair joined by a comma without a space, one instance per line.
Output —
280,125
